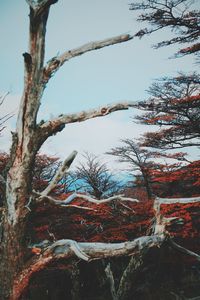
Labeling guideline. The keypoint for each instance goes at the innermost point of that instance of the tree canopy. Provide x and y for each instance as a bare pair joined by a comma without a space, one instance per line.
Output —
181,16
174,105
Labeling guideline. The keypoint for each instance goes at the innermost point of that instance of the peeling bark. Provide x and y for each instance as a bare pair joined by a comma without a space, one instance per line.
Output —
25,147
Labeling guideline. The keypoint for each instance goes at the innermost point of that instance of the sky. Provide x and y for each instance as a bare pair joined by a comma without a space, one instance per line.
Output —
117,73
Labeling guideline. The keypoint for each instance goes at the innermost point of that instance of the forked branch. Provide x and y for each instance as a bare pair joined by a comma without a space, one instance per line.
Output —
74,196
93,200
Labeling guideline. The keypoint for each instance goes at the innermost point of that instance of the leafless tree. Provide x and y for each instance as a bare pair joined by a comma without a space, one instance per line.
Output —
27,140
95,177
16,267
138,159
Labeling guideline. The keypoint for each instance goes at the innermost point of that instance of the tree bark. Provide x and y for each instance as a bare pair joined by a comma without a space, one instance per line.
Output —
24,149
147,187
12,256
29,137
15,270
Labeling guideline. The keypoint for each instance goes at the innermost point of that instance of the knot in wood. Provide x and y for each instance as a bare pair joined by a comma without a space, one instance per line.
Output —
104,110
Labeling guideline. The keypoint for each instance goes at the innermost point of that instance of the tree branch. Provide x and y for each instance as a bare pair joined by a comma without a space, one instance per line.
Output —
58,202
128,276
159,201
56,62
183,249
87,251
59,174
55,125
160,221
110,277
74,196
92,200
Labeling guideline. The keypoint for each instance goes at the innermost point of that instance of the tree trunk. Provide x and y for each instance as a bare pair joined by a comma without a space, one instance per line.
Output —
14,219
12,256
28,139
13,223
147,186
24,148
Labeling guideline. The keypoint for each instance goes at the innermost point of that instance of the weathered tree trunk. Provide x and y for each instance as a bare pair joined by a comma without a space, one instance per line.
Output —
24,149
14,221
15,270
11,261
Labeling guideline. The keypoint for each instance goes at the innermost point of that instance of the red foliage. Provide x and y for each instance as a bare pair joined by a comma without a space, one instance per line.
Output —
186,228
176,180
108,222
113,222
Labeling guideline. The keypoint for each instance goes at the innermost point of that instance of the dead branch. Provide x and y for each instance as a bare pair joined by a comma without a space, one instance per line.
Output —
160,221
160,201
2,98
183,249
85,251
57,124
127,279
73,196
79,207
58,202
110,277
59,174
65,203
55,63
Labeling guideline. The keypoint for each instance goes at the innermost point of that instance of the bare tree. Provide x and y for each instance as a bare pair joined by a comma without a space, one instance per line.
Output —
137,158
16,267
95,178
27,140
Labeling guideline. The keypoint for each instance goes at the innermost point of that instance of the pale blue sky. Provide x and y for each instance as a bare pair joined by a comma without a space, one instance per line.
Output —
119,72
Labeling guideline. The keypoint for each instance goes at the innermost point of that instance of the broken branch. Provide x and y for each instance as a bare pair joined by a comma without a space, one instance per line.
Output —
59,174
57,124
86,251
55,63
183,249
